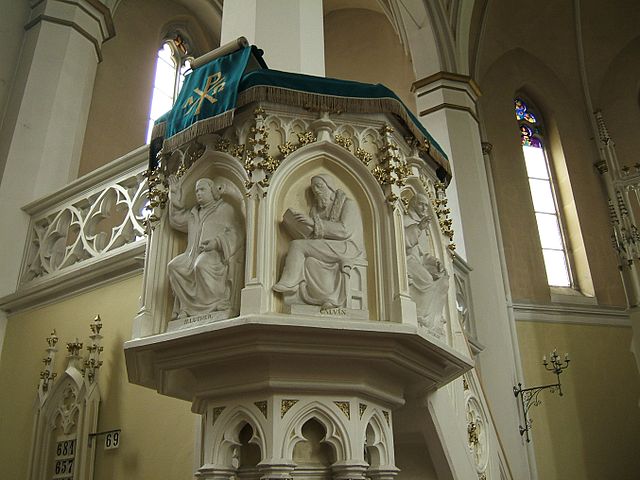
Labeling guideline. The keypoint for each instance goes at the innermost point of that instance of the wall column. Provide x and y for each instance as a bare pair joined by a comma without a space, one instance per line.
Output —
43,130
447,107
290,32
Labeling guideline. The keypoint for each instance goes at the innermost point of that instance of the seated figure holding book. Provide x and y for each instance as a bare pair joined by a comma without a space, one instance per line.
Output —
326,243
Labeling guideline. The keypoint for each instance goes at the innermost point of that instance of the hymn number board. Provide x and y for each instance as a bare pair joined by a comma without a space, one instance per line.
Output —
64,458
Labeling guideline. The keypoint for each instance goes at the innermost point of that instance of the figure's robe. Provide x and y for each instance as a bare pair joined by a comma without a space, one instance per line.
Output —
202,280
428,282
314,266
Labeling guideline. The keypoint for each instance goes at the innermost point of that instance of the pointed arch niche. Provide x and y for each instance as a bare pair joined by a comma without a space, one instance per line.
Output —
65,417
290,189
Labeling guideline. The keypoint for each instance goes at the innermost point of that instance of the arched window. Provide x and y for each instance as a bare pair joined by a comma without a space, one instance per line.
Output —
172,65
543,194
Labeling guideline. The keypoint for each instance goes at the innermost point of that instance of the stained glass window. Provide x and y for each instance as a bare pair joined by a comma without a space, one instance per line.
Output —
545,204
172,64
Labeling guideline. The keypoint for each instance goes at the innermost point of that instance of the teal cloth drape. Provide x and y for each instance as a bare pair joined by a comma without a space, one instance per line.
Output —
331,87
212,92
208,91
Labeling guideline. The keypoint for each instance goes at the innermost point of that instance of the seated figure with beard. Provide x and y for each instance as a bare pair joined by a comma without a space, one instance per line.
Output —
428,280
327,243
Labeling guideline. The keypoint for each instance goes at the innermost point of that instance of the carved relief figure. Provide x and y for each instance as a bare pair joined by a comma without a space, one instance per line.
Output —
428,280
202,278
326,243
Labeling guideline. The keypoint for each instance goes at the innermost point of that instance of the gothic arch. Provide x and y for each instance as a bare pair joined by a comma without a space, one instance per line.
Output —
295,173
377,439
227,430
331,419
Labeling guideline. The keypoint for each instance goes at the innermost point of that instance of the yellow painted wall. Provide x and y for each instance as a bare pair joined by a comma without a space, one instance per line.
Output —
518,71
548,71
157,432
378,59
592,431
118,116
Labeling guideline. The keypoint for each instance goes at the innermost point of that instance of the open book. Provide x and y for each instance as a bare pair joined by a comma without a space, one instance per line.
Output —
296,229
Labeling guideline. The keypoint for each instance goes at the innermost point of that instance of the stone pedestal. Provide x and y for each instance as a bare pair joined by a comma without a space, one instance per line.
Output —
259,380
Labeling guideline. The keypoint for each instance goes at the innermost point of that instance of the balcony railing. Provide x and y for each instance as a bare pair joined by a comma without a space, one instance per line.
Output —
89,232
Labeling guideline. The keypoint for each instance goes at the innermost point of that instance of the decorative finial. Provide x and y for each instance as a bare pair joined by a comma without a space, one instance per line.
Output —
96,325
52,339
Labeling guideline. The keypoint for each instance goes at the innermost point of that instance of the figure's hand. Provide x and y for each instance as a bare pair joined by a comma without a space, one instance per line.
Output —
439,266
424,223
174,185
207,245
304,219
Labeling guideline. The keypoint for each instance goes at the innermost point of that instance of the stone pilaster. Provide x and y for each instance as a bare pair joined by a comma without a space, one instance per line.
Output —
43,130
290,32
447,107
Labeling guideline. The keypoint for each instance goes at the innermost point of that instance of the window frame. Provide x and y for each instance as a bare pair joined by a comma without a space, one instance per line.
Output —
181,54
538,129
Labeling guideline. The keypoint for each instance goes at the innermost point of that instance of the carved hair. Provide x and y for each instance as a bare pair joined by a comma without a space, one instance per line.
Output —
416,198
326,179
213,184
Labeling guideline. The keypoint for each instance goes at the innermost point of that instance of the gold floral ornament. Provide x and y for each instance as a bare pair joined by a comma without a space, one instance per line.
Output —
287,148
442,211
344,408
227,146
93,363
47,375
392,170
74,348
364,156
258,163
157,193
305,138
215,413
472,432
286,405
344,141
262,406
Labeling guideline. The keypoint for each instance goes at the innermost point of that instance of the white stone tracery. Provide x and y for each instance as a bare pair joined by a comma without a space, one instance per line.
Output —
329,416
89,225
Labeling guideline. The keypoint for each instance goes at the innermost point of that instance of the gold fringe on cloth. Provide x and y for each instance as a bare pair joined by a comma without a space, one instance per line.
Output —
298,98
201,127
331,103
159,130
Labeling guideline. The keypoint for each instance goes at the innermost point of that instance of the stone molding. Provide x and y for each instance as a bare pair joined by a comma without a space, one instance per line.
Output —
572,314
449,78
90,18
446,90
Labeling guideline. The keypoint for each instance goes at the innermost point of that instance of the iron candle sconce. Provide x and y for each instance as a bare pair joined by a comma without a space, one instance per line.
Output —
529,396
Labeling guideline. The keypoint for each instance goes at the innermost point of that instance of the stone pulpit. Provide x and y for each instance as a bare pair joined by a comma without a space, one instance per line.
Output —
298,284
